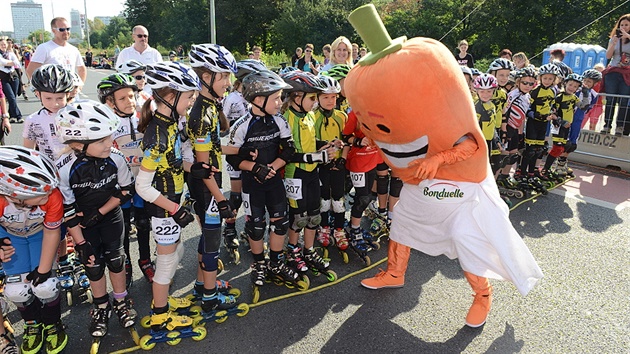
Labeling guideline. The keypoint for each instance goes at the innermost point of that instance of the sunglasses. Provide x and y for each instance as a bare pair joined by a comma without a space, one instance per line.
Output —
308,50
142,35
528,83
139,77
63,29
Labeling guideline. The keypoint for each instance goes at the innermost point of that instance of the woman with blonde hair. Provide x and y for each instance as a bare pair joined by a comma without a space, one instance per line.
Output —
339,53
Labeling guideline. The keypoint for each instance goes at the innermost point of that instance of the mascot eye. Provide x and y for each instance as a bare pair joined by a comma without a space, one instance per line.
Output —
365,126
383,128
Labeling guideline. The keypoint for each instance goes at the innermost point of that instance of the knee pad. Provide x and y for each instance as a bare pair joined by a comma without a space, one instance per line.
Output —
17,291
115,260
338,206
209,261
325,205
256,229
211,239
512,159
570,147
165,267
556,150
280,226
299,221
359,206
395,186
95,273
530,152
314,219
382,184
236,199
143,225
47,291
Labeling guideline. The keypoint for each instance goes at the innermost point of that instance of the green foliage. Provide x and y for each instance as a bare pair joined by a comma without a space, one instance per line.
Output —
40,36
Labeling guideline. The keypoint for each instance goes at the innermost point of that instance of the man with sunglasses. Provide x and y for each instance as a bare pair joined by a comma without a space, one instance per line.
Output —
58,51
140,50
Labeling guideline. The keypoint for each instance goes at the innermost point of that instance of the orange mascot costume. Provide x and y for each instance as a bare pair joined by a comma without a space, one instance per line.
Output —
413,102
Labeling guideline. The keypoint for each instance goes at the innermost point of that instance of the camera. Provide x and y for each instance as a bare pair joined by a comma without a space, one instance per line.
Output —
618,33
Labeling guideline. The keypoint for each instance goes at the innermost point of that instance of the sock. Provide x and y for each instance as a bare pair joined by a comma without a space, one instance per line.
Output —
121,296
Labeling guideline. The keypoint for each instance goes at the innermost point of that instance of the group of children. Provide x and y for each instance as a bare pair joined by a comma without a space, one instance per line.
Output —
90,172
519,109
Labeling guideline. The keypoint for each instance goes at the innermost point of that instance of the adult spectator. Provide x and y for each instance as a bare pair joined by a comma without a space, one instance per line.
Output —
355,53
257,52
339,53
557,54
180,51
140,50
297,55
464,58
10,80
58,51
505,54
326,51
307,63
520,60
88,58
615,77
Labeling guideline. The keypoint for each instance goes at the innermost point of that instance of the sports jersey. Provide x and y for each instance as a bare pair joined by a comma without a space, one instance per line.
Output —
27,221
162,153
565,106
89,182
516,109
40,127
234,106
541,100
329,125
360,159
203,129
488,117
127,140
499,98
303,130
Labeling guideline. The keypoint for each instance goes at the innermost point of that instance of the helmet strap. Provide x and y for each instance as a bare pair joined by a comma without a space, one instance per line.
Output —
170,106
263,106
209,86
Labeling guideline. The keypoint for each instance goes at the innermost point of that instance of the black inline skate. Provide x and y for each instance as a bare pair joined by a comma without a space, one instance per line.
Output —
281,274
230,239
218,308
359,245
295,259
509,187
318,265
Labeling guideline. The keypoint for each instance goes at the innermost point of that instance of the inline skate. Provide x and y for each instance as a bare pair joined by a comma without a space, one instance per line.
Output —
83,283
258,277
33,337
341,242
179,306
509,187
379,227
126,317
318,265
323,237
222,286
546,181
281,274
170,328
231,242
295,259
7,344
218,308
65,275
359,245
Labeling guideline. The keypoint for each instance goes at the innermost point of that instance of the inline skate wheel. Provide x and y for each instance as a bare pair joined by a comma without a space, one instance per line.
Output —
94,347
236,256
548,184
303,284
367,261
331,276
197,321
519,194
134,335
9,327
255,295
174,336
377,246
144,343
145,322
88,295
325,250
195,311
69,297
222,316
235,292
244,309
345,257
220,267
201,333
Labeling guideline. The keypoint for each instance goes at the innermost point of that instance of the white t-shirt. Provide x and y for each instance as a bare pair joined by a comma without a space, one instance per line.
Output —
148,56
129,144
50,52
40,127
234,106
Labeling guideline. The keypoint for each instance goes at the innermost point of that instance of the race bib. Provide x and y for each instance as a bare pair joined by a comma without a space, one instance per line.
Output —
358,179
293,186
554,129
212,214
165,230
246,205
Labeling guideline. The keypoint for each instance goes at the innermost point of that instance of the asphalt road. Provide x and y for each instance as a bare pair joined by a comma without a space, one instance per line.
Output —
581,306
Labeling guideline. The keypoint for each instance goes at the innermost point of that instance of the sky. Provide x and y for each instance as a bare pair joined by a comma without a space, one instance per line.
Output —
61,8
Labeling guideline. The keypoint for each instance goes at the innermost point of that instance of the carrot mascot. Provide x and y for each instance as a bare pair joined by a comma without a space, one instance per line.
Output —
426,130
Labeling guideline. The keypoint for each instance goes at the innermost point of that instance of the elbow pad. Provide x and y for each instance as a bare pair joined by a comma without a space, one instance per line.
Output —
144,186
346,139
287,150
234,161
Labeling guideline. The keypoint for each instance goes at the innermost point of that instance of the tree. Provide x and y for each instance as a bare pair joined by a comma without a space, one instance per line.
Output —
40,36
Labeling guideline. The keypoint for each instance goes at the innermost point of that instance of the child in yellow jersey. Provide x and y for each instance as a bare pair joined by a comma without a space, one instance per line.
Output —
488,116
301,177
329,123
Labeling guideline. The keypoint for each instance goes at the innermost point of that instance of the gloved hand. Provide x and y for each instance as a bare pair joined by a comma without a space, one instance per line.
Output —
85,252
247,153
316,157
183,217
262,172
226,210
36,278
339,164
91,219
201,170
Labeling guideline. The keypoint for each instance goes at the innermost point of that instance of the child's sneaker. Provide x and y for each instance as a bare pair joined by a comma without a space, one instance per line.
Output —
7,345
56,338
148,269
33,338
125,312
100,319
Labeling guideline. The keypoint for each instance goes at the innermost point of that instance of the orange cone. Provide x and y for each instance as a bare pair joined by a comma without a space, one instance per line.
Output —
394,276
478,312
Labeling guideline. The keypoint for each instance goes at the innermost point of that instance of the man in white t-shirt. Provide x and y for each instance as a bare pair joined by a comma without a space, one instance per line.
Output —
58,51
140,50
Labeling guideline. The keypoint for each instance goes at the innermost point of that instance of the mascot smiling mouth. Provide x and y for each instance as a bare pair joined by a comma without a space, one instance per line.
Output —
400,155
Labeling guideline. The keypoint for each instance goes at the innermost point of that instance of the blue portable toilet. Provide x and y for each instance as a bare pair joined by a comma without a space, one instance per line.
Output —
577,62
601,58
579,57
591,58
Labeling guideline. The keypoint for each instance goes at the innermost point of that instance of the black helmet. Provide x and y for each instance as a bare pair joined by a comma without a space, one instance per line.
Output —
114,82
262,83
52,78
248,66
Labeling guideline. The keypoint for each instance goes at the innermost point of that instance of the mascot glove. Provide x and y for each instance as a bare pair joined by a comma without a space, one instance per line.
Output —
427,168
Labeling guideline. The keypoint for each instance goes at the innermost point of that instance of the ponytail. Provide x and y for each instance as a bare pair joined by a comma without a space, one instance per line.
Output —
146,115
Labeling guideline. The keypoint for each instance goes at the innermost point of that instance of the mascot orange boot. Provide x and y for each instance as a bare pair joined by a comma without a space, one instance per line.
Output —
426,130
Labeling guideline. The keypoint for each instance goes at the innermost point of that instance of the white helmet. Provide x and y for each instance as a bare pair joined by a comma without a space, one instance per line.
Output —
466,70
175,75
26,173
76,79
501,64
130,66
330,84
86,121
549,69
212,57
485,81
